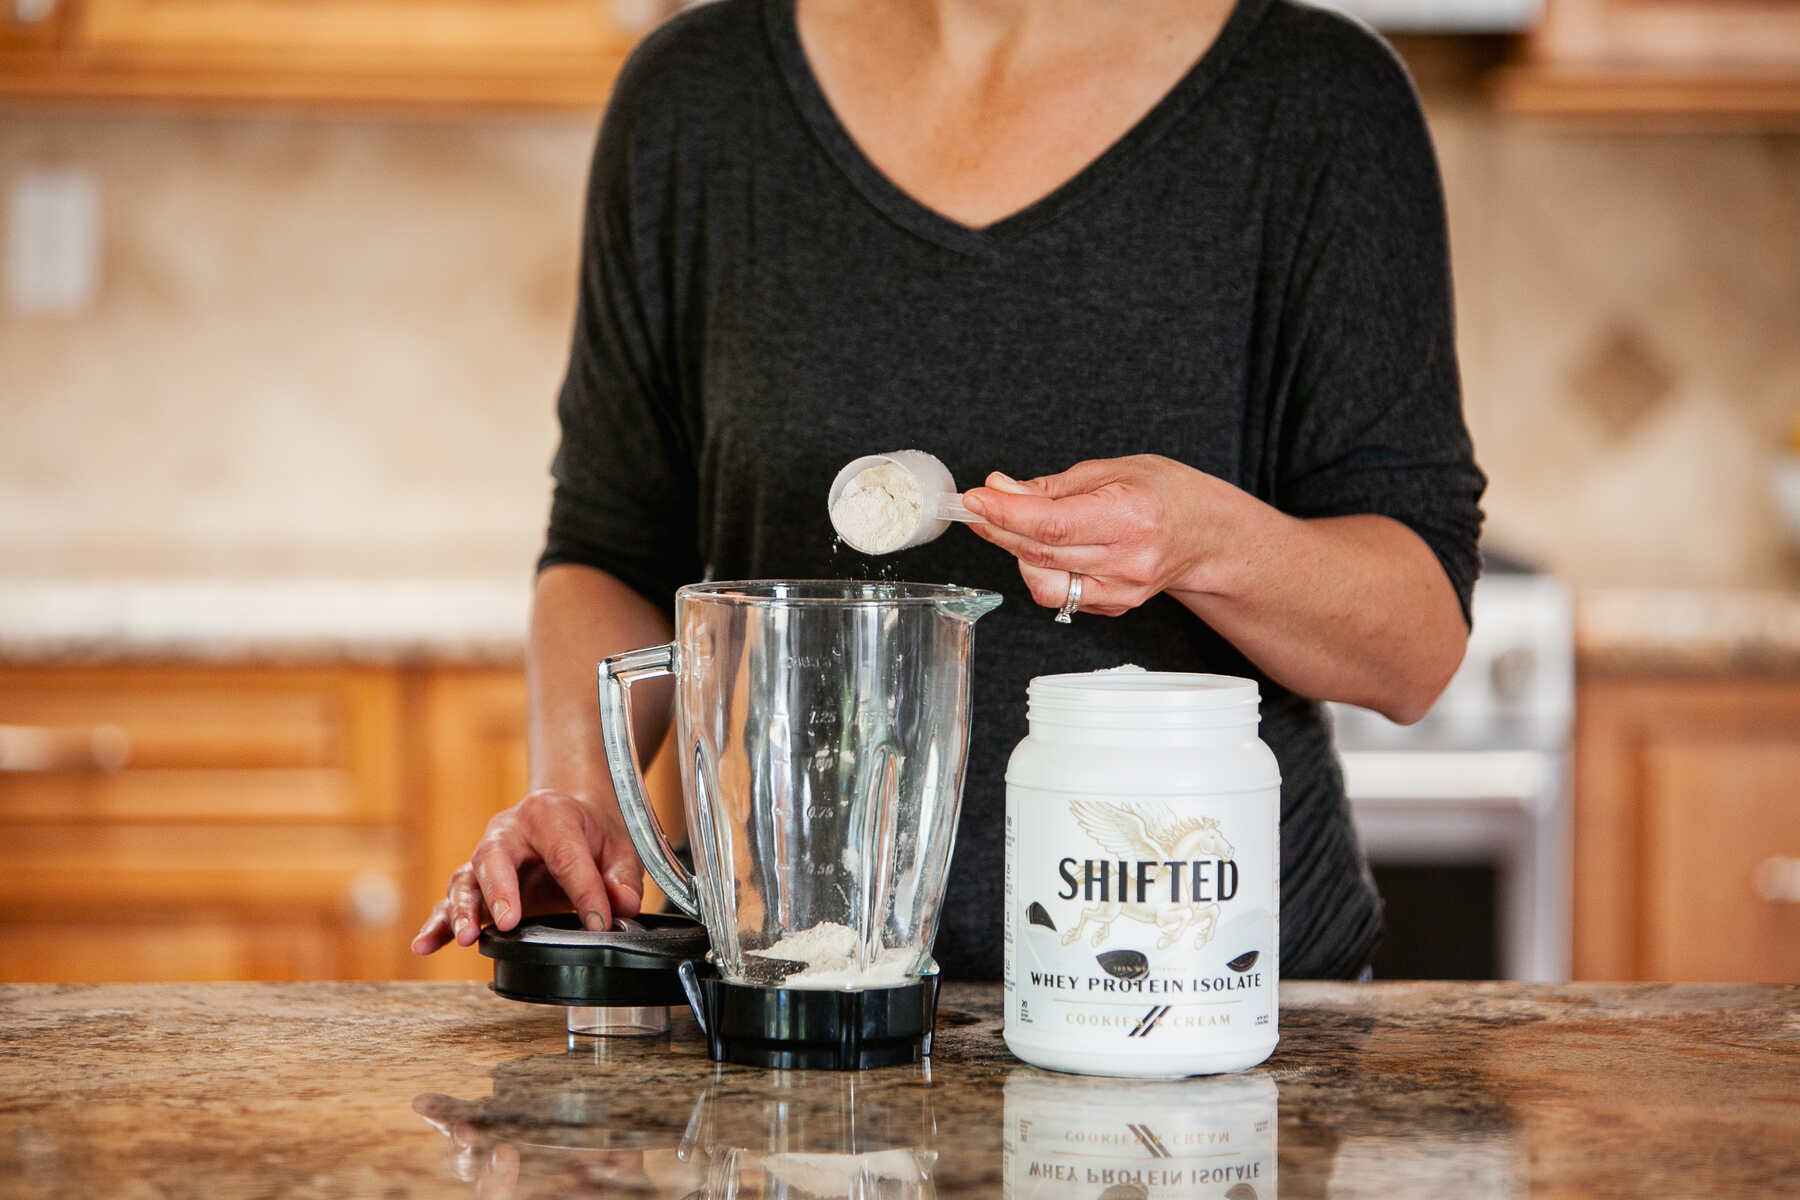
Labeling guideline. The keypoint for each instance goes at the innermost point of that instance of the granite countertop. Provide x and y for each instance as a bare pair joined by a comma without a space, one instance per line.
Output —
271,620
1652,630
472,620
428,1089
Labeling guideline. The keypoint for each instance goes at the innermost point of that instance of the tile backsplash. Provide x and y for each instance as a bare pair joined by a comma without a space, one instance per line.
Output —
317,347
329,347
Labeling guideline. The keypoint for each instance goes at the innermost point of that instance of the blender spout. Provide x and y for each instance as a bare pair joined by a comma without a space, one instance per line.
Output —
969,604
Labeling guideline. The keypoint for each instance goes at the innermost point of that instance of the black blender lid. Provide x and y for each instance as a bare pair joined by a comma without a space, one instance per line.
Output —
553,960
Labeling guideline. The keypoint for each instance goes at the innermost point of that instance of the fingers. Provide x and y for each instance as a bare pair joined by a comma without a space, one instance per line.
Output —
1091,518
570,853
1087,559
1099,597
435,933
467,905
623,873
547,853
440,1110
501,1181
1114,512
1048,587
1119,574
1000,481
455,918
1102,519
556,830
1089,475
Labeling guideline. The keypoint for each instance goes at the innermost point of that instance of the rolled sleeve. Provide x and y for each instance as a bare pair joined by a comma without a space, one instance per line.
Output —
625,492
1373,421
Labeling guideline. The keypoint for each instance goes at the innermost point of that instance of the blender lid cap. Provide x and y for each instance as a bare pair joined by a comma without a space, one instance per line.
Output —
553,960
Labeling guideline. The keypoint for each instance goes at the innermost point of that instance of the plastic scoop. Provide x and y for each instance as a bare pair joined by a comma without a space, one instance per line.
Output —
881,503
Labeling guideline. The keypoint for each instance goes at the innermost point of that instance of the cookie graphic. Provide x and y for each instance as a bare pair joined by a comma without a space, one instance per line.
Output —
1124,964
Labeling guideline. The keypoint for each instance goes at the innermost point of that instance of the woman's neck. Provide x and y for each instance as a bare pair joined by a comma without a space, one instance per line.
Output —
977,108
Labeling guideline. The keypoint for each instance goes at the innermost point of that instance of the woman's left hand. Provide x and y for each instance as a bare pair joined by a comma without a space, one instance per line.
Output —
1130,527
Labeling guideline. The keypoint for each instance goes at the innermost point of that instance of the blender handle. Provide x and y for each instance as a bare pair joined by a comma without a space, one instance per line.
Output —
617,674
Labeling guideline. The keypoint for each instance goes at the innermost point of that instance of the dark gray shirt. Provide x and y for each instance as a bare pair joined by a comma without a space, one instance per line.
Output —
1253,280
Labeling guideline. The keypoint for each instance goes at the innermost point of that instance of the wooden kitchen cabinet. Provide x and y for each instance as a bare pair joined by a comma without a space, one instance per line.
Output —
470,744
235,822
193,823
28,25
1687,60
1687,850
439,53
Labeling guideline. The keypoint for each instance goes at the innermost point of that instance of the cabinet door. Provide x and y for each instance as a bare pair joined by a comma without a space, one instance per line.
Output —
346,28
1691,35
460,53
1721,828
475,764
201,823
121,902
1688,830
32,24
181,744
387,53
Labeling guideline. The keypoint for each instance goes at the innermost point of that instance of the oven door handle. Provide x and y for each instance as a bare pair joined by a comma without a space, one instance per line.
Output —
1489,778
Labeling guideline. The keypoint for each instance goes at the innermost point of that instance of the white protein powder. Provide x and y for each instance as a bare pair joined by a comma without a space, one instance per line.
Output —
878,509
829,952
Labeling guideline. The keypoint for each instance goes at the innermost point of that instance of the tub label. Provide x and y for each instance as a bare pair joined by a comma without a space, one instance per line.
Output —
1143,926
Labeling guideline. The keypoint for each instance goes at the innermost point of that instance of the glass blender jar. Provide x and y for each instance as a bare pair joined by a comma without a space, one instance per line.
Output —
821,729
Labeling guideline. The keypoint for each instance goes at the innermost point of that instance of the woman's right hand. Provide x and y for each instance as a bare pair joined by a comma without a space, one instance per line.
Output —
550,852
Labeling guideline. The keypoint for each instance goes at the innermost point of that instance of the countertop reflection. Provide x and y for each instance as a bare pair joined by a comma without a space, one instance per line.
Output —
442,1089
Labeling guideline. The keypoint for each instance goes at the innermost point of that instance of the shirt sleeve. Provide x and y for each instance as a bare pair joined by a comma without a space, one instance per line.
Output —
624,497
1373,418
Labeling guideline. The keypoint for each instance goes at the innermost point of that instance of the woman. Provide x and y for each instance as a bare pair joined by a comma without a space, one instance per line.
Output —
1180,266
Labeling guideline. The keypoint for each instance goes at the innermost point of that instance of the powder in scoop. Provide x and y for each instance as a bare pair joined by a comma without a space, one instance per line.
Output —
878,509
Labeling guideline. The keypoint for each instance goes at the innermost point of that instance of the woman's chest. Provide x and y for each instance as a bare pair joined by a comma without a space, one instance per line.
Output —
1022,363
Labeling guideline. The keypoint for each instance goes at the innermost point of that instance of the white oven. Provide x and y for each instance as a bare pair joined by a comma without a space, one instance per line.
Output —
1465,816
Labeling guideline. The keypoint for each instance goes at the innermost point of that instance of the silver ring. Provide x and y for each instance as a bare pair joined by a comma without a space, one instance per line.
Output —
1072,602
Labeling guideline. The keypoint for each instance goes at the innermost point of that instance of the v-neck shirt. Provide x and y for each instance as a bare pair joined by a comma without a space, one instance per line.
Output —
903,209
1253,280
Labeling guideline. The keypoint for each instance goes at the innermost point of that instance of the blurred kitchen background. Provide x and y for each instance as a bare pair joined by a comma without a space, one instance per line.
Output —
288,287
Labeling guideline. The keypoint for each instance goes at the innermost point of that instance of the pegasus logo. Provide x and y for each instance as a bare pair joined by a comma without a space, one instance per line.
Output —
1166,871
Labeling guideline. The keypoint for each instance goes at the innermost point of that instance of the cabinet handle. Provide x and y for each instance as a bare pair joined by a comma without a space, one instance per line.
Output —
1777,879
373,899
32,12
637,16
35,748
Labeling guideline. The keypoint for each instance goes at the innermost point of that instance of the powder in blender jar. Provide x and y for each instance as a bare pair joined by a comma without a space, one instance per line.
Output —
828,951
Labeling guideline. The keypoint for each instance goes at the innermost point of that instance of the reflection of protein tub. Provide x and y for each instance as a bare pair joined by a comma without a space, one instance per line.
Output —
1192,1138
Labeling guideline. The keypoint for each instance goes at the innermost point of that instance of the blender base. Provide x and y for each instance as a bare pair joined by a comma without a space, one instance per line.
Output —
799,1029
